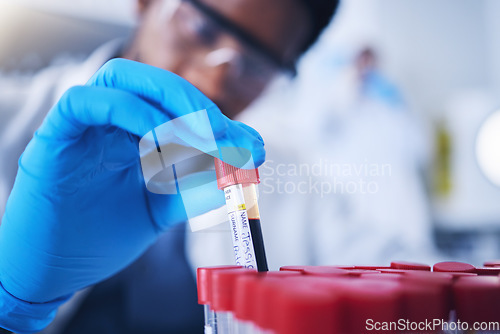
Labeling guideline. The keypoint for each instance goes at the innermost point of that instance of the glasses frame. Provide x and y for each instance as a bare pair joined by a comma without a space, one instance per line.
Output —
245,37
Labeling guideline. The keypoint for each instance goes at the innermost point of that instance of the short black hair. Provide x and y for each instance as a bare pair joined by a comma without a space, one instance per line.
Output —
320,13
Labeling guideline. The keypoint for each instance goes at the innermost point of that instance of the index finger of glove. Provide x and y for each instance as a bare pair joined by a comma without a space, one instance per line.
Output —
159,87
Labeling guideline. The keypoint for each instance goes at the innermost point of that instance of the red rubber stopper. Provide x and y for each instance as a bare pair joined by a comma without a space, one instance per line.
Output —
477,299
371,267
304,309
443,281
370,299
394,271
265,296
410,266
456,276
495,263
458,267
382,277
361,272
204,282
326,271
245,297
488,271
245,301
223,287
295,268
280,274
422,301
301,268
228,175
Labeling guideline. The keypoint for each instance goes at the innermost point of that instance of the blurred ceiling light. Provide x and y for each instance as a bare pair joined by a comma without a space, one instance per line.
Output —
488,148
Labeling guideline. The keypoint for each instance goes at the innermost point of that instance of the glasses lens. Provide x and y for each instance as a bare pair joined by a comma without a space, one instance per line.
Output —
197,33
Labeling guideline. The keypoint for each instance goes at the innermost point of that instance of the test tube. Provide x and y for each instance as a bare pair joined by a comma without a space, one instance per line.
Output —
243,213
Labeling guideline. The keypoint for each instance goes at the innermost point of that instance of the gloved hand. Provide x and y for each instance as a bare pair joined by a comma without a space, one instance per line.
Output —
79,210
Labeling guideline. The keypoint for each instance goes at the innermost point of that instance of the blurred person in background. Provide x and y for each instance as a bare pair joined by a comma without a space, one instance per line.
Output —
230,50
366,125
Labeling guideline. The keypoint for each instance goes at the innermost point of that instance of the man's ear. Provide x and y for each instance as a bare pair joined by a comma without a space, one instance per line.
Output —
142,5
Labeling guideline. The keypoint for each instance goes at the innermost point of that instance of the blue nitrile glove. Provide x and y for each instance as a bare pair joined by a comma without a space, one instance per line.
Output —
79,210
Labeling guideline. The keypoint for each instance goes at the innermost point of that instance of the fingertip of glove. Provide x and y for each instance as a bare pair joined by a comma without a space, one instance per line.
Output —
108,71
252,131
260,158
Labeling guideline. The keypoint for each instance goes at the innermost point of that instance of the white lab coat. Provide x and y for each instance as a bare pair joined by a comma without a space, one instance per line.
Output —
299,227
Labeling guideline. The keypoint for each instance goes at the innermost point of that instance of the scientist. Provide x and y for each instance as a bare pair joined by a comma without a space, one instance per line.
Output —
79,212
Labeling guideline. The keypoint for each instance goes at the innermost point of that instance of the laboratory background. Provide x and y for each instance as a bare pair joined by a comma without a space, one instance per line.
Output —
383,147
376,135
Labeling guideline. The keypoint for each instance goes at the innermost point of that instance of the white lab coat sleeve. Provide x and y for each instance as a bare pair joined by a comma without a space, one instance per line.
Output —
24,102
22,114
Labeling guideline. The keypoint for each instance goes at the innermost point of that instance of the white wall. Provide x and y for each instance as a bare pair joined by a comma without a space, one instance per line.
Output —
110,11
492,9
435,48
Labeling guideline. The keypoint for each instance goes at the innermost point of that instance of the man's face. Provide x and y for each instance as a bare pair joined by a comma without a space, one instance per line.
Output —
229,49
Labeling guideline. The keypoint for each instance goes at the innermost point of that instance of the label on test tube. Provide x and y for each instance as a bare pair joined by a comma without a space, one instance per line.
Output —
240,229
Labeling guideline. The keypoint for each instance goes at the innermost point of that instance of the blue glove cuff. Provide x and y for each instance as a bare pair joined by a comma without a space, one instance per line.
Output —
22,317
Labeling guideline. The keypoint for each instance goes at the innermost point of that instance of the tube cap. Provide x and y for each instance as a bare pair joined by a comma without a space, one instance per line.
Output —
265,297
477,299
304,309
370,299
295,268
204,282
360,272
381,277
280,274
488,271
326,271
302,268
421,302
459,267
245,299
410,266
394,271
228,175
224,286
494,263
368,267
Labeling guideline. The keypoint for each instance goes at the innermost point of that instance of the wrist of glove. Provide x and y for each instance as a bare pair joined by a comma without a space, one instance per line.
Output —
22,317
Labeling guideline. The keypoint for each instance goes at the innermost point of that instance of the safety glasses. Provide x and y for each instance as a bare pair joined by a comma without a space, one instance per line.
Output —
243,36
209,39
